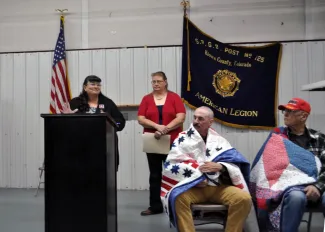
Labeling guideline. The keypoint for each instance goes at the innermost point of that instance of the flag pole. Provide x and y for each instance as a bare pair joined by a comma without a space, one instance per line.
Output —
62,12
62,17
60,85
185,4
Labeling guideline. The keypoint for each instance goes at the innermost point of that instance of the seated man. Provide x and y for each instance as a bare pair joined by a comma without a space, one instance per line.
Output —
202,167
288,168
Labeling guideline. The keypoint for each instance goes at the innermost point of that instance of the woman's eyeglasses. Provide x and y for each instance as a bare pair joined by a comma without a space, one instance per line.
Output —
94,84
156,81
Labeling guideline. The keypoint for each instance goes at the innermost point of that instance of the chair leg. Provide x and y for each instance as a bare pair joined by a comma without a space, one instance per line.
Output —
39,182
309,221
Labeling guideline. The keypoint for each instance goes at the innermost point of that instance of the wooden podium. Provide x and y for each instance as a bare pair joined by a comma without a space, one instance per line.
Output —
80,173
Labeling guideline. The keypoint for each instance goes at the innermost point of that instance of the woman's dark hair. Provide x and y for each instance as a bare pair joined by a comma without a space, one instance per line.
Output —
84,106
91,78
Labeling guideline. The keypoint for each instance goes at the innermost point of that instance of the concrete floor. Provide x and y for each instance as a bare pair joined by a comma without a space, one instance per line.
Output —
20,211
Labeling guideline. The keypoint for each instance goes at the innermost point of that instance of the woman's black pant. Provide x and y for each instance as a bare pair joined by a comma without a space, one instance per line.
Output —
155,162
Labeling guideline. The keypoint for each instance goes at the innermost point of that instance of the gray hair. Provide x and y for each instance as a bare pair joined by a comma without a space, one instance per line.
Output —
209,112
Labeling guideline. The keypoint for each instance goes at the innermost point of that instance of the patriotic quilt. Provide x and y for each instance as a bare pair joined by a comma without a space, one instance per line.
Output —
279,167
181,172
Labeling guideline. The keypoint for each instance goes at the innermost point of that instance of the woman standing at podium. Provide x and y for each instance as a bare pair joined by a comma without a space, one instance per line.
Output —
91,101
161,112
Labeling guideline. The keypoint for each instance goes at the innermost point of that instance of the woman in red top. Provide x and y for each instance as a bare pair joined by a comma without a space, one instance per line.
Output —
161,112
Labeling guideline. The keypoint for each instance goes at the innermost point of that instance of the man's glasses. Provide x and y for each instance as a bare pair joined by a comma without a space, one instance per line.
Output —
289,111
157,81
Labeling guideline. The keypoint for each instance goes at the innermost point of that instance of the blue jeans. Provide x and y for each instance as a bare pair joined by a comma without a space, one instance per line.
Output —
294,206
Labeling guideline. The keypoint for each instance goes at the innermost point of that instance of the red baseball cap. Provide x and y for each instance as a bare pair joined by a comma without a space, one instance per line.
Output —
296,104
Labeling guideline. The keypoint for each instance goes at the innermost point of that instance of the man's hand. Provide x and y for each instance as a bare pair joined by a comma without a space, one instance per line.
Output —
210,167
312,193
202,184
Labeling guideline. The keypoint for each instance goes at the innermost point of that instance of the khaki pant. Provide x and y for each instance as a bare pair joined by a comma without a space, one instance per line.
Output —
237,200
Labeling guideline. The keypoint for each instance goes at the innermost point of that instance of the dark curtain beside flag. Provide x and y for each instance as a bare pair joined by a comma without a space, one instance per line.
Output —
238,83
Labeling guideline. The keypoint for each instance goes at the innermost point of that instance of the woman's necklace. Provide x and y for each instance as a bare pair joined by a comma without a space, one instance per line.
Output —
159,98
93,103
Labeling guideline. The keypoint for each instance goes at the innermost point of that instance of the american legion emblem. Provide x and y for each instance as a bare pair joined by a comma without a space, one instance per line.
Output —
226,83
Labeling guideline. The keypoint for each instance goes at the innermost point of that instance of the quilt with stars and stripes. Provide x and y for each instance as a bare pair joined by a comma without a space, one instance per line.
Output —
279,167
187,153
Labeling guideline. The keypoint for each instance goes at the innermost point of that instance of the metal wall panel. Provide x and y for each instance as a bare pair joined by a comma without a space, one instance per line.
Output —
25,93
141,85
18,169
6,106
32,117
113,74
44,86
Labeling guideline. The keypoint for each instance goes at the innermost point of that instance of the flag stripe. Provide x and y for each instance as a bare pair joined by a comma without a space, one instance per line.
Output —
165,186
61,79
167,183
58,82
168,180
67,84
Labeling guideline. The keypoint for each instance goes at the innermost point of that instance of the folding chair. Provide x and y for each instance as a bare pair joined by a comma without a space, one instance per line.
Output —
310,211
41,170
209,213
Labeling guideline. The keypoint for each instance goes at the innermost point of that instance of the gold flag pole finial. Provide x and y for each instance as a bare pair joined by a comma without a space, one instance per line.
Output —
61,11
185,4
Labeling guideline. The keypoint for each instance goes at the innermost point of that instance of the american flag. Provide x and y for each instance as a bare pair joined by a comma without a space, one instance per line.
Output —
60,88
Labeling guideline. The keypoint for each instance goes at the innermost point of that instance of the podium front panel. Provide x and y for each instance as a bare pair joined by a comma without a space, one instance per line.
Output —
80,176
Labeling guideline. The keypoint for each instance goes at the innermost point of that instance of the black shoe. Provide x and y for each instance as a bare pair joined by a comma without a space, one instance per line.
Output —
150,212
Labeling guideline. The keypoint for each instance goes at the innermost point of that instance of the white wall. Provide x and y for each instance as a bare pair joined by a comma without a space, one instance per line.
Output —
32,25
25,93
